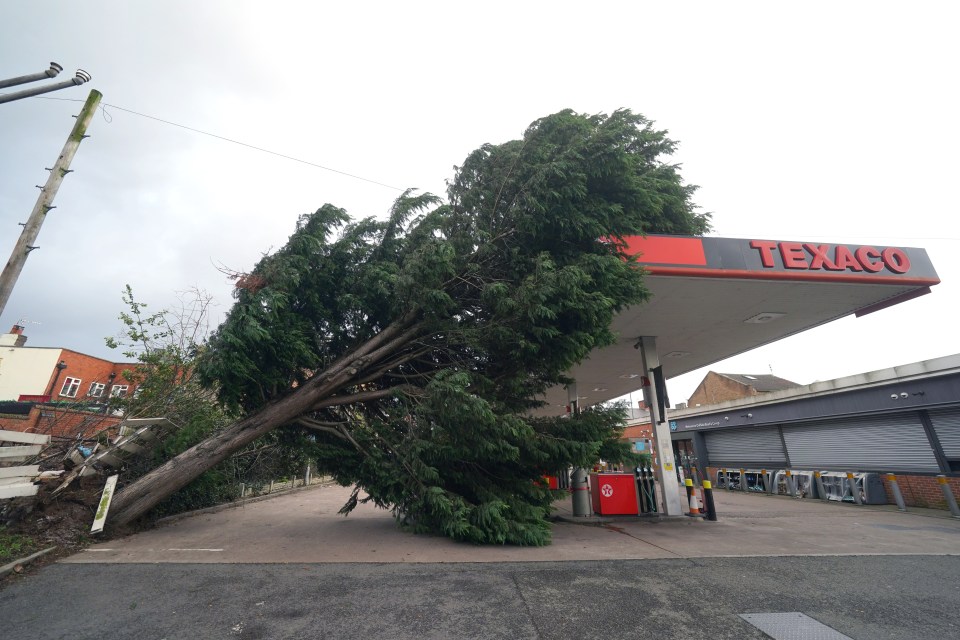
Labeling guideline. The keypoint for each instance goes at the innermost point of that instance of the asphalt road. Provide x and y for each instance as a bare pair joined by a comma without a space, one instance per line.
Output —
290,567
866,598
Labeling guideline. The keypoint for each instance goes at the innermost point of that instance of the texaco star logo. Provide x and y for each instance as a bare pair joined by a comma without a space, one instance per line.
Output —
606,490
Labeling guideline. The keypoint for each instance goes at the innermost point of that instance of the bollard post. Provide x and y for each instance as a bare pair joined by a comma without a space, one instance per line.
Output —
948,495
821,490
708,502
270,490
763,480
580,488
772,488
853,488
243,489
791,485
892,479
688,484
743,479
726,480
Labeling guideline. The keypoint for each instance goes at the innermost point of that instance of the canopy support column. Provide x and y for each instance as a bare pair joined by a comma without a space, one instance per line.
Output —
666,465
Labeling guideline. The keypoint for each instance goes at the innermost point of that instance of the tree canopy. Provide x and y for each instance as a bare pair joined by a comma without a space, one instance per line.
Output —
414,347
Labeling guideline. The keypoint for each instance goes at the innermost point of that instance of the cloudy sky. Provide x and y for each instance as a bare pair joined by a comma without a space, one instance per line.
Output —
810,121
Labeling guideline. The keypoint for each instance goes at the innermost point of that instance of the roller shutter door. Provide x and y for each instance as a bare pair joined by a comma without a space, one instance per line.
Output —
747,447
946,424
889,442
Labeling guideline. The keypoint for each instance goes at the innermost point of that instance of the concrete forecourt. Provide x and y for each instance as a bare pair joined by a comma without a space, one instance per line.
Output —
290,567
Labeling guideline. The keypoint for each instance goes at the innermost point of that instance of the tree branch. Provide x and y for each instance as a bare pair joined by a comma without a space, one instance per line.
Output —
376,375
321,426
363,396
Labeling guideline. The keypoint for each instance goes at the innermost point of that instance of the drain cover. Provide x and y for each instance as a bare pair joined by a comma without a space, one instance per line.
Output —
792,626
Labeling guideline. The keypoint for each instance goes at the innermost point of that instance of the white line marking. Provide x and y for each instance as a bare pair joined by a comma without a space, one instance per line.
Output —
193,549
92,550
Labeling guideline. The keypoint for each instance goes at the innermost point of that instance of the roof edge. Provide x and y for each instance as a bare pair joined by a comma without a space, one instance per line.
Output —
934,367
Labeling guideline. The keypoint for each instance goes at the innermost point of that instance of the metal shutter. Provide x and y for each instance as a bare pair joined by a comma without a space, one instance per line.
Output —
946,424
888,442
748,447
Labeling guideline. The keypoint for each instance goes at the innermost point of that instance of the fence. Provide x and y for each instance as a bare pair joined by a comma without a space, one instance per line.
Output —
308,479
15,446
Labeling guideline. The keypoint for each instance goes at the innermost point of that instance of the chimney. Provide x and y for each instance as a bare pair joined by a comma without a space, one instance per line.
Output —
15,338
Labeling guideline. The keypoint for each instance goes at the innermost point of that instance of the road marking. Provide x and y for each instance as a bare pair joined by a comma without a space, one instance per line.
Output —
193,549
792,626
92,550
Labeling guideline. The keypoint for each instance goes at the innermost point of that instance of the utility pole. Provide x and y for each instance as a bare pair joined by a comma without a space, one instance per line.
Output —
45,202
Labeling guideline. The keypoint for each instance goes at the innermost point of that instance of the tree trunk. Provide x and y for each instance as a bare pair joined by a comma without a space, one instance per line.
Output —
148,491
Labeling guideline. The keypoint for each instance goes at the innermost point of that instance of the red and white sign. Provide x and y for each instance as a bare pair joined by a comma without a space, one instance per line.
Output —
813,257
781,260
606,490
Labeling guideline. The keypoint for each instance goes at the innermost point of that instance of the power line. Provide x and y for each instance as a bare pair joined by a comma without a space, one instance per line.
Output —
225,139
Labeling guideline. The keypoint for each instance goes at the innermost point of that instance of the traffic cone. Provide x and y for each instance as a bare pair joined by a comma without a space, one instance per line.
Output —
694,505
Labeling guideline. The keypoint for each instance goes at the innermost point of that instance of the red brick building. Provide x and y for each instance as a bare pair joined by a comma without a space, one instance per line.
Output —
55,390
723,387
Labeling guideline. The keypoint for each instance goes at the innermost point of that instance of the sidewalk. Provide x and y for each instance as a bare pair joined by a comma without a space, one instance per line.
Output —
305,527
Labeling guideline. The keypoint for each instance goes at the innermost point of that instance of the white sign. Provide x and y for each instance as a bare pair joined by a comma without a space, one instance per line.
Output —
606,490
105,499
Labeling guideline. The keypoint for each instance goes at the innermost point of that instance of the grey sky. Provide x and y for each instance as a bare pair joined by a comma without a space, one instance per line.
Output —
824,121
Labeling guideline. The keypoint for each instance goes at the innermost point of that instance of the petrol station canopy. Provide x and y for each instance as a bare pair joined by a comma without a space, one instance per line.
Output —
713,298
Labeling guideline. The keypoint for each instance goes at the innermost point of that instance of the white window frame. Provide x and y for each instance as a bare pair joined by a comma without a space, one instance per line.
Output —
70,387
119,390
96,389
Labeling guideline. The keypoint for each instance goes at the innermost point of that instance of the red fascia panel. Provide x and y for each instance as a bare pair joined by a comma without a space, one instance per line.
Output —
666,250
795,276
24,397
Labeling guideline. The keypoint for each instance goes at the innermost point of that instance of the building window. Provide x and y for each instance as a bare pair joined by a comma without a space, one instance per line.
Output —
119,390
96,389
70,387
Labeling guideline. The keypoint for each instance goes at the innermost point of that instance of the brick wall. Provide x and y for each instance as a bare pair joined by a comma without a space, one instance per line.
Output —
88,370
715,388
638,431
60,422
921,491
15,423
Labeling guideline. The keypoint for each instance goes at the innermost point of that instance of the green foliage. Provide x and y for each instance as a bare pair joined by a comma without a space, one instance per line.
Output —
14,546
166,345
416,347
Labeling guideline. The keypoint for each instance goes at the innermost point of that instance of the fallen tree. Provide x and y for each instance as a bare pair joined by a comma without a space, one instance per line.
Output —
413,348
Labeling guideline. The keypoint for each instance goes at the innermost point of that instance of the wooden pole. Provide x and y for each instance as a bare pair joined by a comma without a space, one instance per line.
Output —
31,229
